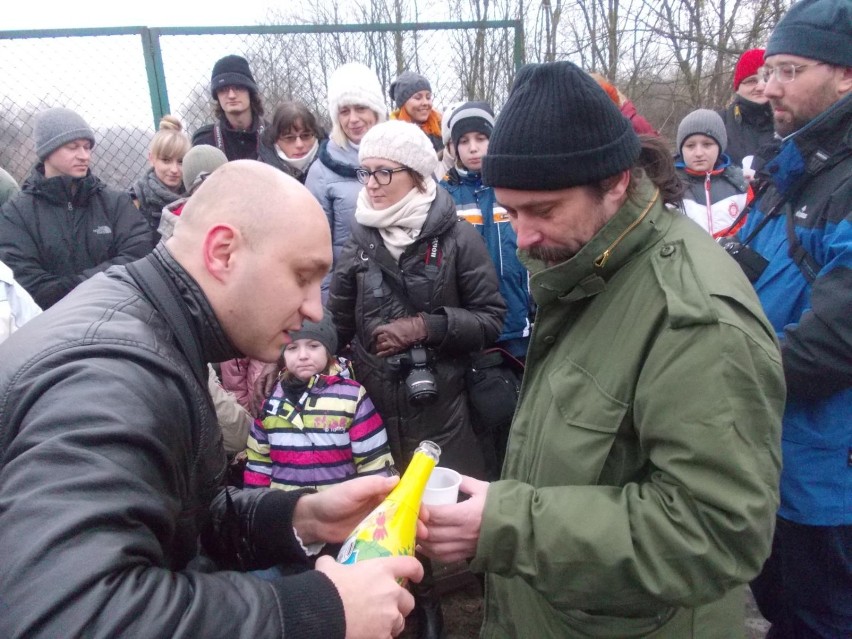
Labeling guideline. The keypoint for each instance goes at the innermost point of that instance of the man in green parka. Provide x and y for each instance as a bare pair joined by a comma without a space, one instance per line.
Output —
641,478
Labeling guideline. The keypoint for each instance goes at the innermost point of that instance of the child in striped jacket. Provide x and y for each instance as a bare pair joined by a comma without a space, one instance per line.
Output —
317,428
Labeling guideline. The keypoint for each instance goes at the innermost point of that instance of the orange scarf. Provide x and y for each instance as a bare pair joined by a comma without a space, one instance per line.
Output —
432,125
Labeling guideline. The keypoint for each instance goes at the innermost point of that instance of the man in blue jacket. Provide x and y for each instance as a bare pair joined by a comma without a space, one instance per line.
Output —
802,228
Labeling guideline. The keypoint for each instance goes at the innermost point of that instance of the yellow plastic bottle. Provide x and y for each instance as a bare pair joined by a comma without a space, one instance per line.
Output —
391,528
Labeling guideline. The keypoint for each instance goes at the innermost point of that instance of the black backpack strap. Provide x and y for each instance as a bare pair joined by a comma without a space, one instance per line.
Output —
164,295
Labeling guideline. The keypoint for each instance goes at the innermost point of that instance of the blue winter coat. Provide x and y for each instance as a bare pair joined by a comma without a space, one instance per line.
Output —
475,203
814,320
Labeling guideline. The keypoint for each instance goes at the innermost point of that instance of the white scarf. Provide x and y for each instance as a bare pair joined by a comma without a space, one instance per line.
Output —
399,224
298,163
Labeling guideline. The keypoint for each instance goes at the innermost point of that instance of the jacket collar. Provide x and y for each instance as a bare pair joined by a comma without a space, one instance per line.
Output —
752,112
214,344
635,227
343,169
62,189
804,152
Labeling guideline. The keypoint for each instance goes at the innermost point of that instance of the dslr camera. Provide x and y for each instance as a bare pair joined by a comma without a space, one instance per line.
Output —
413,366
751,262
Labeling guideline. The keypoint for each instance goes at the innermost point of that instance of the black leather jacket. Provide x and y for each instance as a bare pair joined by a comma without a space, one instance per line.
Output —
110,467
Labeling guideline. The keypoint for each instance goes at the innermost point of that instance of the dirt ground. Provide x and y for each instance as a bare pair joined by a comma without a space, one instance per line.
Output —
462,605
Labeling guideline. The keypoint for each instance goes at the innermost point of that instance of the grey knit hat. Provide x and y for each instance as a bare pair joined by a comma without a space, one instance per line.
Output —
816,29
401,142
59,126
200,159
232,70
558,130
407,84
323,331
705,122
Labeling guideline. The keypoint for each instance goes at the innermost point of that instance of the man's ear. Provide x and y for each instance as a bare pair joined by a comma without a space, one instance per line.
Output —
845,81
618,191
220,248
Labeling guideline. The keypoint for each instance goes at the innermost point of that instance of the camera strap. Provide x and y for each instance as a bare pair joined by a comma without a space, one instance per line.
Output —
818,162
375,277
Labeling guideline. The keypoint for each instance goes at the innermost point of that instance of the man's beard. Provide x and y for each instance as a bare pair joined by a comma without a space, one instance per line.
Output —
550,255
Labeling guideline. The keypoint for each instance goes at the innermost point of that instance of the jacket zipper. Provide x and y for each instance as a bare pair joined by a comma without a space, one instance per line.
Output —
603,258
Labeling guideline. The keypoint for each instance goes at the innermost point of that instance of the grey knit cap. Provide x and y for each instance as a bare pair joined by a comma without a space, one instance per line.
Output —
200,159
8,186
705,122
407,84
816,29
59,126
323,331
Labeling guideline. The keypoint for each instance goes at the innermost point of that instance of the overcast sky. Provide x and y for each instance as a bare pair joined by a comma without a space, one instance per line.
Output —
67,14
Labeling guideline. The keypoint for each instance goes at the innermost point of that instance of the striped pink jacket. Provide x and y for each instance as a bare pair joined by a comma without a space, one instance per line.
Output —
331,434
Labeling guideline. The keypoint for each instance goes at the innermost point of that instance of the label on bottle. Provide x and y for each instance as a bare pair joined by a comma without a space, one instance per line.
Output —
376,537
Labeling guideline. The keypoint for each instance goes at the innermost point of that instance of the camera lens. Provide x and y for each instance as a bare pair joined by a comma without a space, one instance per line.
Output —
421,387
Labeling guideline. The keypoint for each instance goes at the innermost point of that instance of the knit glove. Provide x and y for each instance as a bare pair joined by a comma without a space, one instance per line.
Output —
397,335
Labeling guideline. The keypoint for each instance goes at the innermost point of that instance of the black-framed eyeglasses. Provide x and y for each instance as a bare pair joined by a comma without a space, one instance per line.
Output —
785,72
383,176
302,137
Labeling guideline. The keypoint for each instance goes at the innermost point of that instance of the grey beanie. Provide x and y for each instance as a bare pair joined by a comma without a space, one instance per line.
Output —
407,84
816,29
200,159
59,126
323,331
8,187
705,122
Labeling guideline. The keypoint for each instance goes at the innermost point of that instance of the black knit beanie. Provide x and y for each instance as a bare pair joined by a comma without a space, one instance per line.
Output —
816,29
232,70
558,130
471,117
323,331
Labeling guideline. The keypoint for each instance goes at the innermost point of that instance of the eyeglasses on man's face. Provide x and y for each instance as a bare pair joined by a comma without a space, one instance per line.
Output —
785,72
301,137
383,176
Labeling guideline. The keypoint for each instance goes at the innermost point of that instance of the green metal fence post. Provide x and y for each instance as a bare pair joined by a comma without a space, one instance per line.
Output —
156,73
519,45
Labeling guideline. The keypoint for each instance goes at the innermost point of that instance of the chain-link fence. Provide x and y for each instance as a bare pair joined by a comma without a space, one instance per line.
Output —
117,79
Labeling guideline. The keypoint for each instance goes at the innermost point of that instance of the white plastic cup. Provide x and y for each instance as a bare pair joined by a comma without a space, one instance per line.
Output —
442,487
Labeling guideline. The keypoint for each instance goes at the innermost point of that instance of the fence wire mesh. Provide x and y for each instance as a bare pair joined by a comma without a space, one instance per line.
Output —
104,77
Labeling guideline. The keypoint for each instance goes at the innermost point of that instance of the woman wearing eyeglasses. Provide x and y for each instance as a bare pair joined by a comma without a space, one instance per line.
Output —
748,118
415,293
292,142
355,105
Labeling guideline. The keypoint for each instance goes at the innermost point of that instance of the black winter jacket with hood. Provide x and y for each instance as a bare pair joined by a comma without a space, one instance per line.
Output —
111,463
458,293
750,130
59,231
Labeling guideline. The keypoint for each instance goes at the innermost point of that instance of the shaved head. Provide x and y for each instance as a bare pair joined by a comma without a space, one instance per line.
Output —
258,244
250,196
